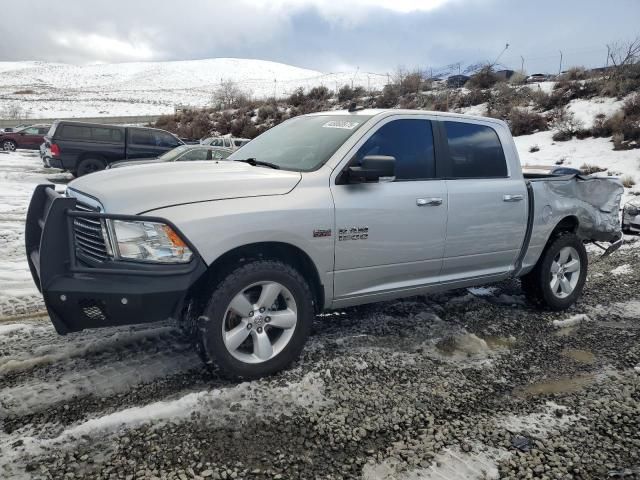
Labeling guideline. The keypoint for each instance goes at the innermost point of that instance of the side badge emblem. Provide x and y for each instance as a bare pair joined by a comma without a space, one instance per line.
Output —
321,232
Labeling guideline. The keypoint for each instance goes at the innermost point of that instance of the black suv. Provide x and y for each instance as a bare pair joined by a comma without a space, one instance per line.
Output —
83,148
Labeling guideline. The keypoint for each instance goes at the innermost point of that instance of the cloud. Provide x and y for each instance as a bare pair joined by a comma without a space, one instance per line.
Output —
102,47
375,35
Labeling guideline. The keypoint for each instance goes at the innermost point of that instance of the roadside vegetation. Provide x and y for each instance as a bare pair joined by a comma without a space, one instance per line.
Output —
527,108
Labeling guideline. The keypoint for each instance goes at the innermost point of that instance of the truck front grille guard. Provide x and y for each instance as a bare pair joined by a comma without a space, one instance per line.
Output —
63,236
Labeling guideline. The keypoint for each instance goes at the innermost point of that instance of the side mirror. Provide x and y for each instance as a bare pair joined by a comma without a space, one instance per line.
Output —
374,168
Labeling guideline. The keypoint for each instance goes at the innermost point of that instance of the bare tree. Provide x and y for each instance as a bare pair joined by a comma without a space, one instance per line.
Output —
229,95
12,112
624,54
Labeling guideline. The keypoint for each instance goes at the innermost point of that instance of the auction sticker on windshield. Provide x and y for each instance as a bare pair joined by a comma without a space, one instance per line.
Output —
341,124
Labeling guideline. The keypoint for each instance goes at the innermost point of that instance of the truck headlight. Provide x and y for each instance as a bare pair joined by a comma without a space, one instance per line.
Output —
148,242
633,210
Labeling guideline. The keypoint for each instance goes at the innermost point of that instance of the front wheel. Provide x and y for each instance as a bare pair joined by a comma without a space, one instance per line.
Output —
558,278
9,146
257,319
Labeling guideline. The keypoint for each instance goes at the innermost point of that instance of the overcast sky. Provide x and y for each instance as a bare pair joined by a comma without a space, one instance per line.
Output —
327,35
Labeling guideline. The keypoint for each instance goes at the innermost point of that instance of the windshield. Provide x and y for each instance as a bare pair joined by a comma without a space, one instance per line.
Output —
303,143
171,155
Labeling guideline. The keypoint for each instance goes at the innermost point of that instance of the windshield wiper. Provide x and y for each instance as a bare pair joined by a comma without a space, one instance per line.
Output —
254,162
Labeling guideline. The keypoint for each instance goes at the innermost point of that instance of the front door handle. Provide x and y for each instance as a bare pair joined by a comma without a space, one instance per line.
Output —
513,198
428,202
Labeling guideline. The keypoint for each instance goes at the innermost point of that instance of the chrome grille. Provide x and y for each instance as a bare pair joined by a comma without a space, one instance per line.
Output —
89,239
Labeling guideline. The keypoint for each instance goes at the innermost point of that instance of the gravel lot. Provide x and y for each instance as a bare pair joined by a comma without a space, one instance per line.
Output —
469,385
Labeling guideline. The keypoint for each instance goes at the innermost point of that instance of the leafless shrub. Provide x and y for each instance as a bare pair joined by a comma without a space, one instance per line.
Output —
229,95
618,141
631,106
566,125
534,148
523,122
485,77
627,181
589,169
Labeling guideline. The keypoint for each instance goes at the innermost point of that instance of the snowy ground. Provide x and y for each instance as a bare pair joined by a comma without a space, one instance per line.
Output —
473,384
50,90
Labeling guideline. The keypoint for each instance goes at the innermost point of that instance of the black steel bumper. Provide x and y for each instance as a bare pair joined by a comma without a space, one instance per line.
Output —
82,294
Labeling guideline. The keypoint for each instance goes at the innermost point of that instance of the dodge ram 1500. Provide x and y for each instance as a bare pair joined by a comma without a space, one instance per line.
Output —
324,211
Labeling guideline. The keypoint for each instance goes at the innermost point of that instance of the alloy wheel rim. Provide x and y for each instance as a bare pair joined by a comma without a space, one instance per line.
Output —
565,272
9,146
259,322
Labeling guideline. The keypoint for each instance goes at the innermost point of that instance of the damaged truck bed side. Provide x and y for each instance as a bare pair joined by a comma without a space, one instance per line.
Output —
323,211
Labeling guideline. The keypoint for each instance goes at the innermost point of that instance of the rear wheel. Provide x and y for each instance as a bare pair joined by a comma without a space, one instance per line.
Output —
558,278
9,146
257,320
89,165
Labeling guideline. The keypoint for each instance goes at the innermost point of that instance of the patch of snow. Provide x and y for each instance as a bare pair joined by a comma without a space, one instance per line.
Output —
571,321
479,110
11,328
48,354
539,424
625,269
482,291
584,110
450,464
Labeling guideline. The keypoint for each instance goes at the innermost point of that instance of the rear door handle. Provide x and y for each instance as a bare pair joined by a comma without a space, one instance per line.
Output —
428,202
513,198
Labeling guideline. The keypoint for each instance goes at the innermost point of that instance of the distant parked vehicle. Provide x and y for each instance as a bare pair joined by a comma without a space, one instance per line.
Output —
538,77
83,148
29,137
183,153
16,128
227,142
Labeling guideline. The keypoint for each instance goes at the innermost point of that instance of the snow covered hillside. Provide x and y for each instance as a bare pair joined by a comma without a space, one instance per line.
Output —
44,89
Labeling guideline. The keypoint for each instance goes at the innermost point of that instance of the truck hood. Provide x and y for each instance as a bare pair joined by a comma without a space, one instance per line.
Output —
141,188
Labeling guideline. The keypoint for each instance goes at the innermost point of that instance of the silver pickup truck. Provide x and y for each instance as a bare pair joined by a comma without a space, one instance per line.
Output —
324,211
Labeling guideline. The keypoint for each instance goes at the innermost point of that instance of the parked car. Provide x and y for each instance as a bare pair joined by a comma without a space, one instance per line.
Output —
227,142
83,148
180,154
323,211
631,216
538,77
28,137
551,170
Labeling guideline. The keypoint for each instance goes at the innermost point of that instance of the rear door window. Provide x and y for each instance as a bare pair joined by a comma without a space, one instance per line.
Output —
475,151
410,142
105,134
75,132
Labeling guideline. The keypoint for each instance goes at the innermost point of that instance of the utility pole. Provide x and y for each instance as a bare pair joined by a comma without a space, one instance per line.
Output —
608,55
275,88
560,70
354,76
522,65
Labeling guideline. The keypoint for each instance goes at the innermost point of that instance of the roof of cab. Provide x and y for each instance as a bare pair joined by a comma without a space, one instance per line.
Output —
385,112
